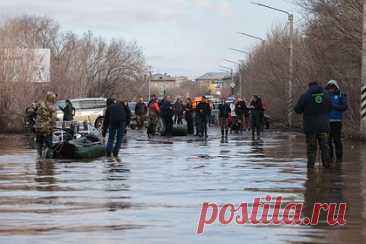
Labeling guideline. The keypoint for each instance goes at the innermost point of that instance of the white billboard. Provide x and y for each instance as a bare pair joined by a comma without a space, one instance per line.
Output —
27,65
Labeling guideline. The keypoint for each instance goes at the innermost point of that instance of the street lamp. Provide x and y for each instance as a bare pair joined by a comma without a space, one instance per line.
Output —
225,67
149,82
291,58
239,51
229,69
252,36
223,70
240,77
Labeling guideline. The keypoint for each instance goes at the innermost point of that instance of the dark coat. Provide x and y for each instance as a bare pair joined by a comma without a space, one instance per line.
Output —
166,109
69,112
315,106
141,108
203,110
224,110
115,117
257,114
179,108
189,111
241,108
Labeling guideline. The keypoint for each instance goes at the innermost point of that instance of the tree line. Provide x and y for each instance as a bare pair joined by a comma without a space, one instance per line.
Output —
327,45
80,66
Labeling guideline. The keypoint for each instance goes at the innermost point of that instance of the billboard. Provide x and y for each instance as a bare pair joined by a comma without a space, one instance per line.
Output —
24,64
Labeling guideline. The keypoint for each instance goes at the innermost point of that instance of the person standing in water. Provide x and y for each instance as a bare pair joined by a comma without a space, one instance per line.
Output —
45,121
115,122
339,105
257,117
224,114
315,105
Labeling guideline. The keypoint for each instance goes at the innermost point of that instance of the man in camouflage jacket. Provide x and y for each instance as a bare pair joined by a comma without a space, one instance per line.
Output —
45,122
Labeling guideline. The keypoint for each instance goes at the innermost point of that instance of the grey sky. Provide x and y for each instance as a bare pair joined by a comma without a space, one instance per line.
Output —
181,37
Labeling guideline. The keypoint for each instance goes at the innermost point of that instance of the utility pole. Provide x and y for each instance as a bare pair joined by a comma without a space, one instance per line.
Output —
363,77
291,72
290,111
240,76
250,86
149,82
240,71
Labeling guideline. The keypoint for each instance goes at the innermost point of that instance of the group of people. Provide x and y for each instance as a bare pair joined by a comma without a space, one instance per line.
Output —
240,116
170,113
236,116
322,110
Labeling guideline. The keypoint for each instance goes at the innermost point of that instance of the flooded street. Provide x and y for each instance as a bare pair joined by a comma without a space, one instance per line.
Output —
155,194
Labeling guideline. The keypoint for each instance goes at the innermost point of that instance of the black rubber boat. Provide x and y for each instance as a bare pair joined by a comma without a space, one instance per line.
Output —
82,146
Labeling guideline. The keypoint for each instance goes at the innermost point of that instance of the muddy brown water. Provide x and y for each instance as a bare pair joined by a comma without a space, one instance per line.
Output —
155,194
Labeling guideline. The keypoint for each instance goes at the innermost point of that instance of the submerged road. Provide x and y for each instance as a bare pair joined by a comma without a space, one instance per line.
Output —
155,194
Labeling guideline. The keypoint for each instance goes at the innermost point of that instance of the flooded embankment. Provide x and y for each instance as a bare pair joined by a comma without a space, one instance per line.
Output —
155,194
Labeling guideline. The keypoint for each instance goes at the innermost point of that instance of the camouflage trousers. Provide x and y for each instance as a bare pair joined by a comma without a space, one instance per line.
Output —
312,142
140,121
43,142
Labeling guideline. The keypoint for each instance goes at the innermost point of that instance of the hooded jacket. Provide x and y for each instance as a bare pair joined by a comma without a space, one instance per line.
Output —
338,103
315,107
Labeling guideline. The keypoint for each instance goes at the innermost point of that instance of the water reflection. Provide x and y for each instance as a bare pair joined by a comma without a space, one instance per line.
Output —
155,194
323,186
45,175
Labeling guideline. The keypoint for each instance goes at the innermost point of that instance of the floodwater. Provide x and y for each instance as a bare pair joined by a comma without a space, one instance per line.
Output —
155,194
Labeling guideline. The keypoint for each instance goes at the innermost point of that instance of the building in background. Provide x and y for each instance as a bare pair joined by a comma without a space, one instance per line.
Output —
162,83
215,82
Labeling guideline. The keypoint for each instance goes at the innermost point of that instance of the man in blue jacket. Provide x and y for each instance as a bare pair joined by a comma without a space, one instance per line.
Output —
315,107
338,107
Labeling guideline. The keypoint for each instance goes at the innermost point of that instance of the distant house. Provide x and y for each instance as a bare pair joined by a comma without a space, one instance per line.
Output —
163,81
182,79
212,78
213,81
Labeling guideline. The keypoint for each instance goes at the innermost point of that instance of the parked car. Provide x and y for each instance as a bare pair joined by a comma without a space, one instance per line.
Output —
86,109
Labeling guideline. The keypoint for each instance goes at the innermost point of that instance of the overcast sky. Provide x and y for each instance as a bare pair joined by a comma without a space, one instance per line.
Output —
180,37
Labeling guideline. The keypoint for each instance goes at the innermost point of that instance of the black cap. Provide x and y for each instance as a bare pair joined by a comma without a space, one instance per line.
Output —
313,83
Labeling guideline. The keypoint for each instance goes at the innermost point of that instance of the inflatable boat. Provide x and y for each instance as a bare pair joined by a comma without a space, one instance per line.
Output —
72,143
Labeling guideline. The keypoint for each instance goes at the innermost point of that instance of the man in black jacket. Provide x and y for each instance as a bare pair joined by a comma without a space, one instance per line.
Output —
224,113
203,112
115,121
68,110
315,106
167,112
140,112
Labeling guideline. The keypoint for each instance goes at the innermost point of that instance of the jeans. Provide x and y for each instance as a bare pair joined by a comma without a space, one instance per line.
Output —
312,141
335,141
115,133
